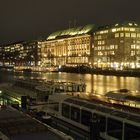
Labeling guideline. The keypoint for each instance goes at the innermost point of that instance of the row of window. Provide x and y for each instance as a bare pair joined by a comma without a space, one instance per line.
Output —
133,35
123,29
106,53
78,60
135,46
102,42
117,30
78,47
111,47
133,53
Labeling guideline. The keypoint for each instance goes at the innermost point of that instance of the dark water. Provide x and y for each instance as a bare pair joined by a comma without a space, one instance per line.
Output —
6,77
101,84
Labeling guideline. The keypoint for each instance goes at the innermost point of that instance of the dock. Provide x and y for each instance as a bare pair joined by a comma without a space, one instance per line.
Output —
15,125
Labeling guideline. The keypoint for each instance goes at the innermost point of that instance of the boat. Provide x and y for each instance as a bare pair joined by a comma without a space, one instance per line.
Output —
83,117
124,97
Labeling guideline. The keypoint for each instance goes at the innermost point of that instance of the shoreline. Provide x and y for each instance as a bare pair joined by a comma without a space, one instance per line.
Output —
84,70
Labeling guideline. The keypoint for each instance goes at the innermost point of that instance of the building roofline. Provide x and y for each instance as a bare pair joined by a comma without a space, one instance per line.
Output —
121,24
87,29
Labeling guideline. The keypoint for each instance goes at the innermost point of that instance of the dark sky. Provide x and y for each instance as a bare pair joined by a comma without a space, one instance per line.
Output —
29,19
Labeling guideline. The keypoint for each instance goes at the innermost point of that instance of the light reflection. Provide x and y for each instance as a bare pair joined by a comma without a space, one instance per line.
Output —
100,84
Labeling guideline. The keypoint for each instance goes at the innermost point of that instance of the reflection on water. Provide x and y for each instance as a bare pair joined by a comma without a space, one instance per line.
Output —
101,84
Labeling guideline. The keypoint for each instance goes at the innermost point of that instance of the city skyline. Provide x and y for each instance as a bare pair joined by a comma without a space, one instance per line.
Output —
115,46
29,20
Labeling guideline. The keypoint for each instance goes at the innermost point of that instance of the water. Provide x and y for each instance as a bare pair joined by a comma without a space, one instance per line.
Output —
99,83
6,77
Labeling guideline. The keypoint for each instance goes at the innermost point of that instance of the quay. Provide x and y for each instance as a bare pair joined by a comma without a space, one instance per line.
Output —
15,125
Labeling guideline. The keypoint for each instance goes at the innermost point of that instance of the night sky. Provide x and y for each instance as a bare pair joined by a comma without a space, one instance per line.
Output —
30,19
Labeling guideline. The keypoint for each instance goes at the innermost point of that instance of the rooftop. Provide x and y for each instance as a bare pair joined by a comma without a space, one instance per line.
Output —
72,32
123,24
123,115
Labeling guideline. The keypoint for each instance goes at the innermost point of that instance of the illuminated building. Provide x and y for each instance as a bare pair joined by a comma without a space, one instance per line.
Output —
68,47
113,46
21,55
30,53
117,46
9,54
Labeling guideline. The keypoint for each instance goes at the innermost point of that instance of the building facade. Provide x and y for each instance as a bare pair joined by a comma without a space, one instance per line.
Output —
117,46
113,46
10,54
21,55
69,47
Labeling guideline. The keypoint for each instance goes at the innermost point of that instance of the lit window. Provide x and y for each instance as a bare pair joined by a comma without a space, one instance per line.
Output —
111,46
99,47
127,34
133,34
132,29
132,46
103,42
126,29
99,42
112,53
117,35
100,53
132,53
116,46
121,34
138,35
118,29
114,30
106,31
103,32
